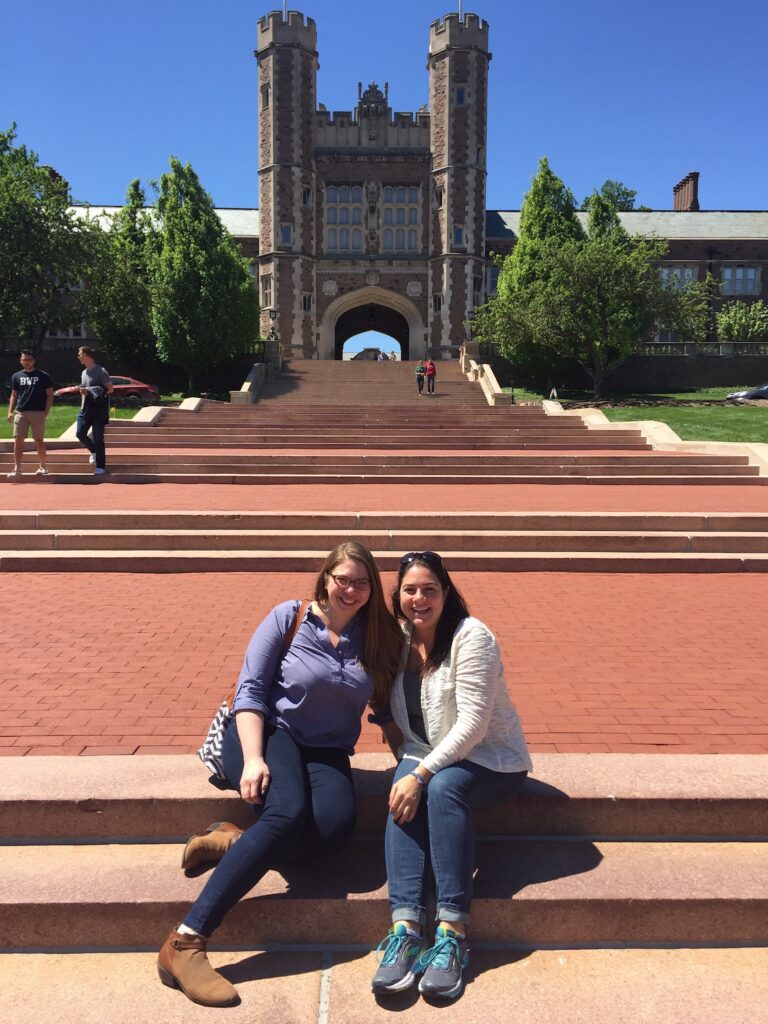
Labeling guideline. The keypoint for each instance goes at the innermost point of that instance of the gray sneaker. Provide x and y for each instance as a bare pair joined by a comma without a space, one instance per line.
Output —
443,965
398,966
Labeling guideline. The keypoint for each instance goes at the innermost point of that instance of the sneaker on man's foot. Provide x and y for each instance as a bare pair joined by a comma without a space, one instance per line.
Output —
99,471
92,459
398,968
443,965
42,471
13,475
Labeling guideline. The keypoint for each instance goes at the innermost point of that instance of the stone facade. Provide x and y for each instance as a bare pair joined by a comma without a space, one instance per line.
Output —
371,216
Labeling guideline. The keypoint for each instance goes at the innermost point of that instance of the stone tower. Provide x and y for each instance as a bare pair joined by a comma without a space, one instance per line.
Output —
287,61
458,103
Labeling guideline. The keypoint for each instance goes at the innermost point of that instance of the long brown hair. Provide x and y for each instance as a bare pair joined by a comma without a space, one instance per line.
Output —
383,643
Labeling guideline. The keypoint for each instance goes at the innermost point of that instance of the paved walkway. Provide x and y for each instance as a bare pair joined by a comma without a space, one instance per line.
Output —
119,663
567,497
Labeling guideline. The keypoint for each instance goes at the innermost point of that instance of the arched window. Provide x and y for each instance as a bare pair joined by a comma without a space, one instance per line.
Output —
357,215
400,216
331,194
344,215
344,194
413,195
412,244
413,215
400,195
331,214
357,238
388,238
357,194
389,195
388,215
332,238
344,238
400,239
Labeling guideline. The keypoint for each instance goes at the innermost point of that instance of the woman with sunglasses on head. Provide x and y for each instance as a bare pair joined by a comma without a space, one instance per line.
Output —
298,707
461,747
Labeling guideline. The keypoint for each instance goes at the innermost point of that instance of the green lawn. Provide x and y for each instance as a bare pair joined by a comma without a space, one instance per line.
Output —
59,418
711,423
699,395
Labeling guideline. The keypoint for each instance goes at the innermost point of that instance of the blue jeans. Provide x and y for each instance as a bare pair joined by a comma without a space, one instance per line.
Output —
430,385
89,419
441,837
309,809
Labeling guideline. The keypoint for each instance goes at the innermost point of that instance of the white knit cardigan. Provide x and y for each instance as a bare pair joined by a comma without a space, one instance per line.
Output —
467,711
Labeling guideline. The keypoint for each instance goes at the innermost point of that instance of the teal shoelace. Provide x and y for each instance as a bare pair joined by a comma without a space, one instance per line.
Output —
394,945
440,954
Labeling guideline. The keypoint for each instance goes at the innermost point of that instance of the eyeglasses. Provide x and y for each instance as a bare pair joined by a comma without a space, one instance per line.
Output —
430,557
362,584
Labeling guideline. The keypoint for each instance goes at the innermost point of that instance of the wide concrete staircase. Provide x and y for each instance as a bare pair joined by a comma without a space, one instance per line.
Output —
100,541
600,852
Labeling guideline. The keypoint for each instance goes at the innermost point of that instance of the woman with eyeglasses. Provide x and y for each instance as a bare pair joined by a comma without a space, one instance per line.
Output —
461,747
298,708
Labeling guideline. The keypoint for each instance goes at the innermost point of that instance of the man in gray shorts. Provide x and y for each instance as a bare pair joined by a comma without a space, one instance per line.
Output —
31,401
95,389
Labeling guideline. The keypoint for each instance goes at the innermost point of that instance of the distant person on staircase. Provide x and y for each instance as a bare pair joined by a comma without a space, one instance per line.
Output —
305,682
460,746
431,371
420,374
381,358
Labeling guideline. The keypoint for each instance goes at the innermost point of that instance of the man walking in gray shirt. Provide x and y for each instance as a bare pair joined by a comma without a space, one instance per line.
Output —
95,389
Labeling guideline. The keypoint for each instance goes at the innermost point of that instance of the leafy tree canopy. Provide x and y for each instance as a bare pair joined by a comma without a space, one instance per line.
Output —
204,307
44,248
741,321
615,193
119,287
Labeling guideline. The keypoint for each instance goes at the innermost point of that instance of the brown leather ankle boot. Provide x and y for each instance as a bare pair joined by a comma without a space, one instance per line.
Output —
183,963
210,846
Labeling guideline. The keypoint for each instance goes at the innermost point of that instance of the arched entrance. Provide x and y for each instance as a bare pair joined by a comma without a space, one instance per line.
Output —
372,309
371,318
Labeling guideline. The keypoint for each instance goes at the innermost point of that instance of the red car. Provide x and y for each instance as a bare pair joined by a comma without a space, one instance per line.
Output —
127,389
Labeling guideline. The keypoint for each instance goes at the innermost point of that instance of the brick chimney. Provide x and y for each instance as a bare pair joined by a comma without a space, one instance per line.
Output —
685,194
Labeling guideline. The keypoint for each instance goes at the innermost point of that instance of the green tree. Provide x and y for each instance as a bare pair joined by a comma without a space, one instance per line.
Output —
589,298
44,247
549,212
615,193
742,321
204,305
119,294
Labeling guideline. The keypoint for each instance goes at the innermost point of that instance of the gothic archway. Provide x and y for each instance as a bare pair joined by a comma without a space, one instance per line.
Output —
372,317
372,309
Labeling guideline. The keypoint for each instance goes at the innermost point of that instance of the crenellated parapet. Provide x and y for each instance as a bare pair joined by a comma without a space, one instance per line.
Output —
453,30
295,30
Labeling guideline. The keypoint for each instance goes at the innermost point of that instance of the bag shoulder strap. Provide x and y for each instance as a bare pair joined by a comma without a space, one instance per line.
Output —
290,633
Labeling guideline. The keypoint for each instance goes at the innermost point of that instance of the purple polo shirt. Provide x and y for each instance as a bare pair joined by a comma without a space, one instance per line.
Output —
317,693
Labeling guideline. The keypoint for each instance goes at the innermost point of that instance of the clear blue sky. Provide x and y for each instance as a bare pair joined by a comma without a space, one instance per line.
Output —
642,91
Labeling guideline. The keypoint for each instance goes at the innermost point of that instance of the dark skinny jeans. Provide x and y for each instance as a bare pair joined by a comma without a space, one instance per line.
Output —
89,419
309,809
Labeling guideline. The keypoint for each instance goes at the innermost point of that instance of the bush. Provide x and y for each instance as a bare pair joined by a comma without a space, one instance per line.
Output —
741,321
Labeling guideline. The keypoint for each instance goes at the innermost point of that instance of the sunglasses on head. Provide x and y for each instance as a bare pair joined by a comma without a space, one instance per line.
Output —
430,557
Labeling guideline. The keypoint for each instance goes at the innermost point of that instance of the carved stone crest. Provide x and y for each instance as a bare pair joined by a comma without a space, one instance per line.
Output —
414,289
330,288
372,277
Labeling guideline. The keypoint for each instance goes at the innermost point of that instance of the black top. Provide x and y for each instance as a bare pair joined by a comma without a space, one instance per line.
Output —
31,386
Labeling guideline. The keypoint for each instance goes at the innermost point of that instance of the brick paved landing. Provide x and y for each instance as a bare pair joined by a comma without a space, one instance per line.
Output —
595,662
373,497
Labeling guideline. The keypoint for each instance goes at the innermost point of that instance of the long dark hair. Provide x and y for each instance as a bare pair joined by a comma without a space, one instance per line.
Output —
454,610
383,636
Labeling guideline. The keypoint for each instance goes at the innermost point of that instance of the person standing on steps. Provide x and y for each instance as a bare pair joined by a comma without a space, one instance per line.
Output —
95,389
298,707
431,373
420,372
30,402
460,747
